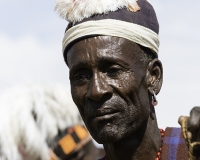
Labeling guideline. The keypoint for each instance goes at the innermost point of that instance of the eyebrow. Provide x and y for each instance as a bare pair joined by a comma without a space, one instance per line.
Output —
111,60
101,60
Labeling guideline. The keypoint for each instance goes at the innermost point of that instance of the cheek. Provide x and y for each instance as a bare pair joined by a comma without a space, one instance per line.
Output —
134,86
78,94
125,87
134,91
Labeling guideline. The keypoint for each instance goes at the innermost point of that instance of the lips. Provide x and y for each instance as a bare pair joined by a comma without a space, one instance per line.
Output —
104,114
101,111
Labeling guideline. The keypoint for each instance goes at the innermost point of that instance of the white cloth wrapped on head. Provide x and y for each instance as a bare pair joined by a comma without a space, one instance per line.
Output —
111,27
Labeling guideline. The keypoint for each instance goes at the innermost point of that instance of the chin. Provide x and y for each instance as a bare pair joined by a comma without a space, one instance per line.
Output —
109,134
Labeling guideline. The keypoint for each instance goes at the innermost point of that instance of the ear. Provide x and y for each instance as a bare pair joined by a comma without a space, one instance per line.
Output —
154,76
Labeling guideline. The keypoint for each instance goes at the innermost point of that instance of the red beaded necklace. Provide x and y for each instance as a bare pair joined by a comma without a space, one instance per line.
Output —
162,132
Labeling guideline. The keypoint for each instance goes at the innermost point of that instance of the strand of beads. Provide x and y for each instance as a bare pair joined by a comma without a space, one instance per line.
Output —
162,132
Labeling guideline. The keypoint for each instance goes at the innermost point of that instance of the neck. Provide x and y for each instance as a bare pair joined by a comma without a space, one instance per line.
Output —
143,145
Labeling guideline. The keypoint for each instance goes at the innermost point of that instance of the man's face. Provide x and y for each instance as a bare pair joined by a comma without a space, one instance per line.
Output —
109,86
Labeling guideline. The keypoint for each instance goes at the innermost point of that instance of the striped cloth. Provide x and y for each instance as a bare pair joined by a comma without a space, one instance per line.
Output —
173,147
69,142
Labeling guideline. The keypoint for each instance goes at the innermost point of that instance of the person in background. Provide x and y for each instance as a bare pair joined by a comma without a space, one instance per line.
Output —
41,122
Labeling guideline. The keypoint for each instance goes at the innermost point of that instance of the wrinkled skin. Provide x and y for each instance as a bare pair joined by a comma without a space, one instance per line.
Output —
112,89
194,127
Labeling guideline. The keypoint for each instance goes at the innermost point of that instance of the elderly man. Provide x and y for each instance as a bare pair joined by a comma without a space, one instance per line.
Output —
111,49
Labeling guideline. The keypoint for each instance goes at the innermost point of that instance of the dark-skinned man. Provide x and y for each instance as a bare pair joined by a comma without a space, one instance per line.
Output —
111,49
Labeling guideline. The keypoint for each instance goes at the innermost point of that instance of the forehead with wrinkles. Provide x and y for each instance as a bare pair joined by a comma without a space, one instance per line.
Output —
104,46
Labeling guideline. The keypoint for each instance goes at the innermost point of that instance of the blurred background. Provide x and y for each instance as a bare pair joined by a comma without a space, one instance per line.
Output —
31,51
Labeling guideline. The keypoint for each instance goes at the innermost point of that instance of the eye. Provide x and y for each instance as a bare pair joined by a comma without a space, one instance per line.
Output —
114,70
81,75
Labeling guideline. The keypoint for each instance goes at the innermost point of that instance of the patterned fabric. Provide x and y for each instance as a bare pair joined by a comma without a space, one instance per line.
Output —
174,147
71,139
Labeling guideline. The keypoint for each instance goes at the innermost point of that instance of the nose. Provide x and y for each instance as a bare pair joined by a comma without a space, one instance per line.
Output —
98,88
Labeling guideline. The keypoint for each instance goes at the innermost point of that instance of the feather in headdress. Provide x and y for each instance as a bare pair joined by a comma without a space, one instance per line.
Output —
32,116
77,10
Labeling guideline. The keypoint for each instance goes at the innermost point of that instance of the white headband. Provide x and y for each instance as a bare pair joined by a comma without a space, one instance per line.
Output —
110,27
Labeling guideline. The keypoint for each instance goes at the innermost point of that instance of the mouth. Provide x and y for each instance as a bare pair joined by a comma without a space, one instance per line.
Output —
105,115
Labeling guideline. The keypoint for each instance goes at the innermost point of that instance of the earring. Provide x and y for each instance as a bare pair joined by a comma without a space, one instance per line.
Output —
154,101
